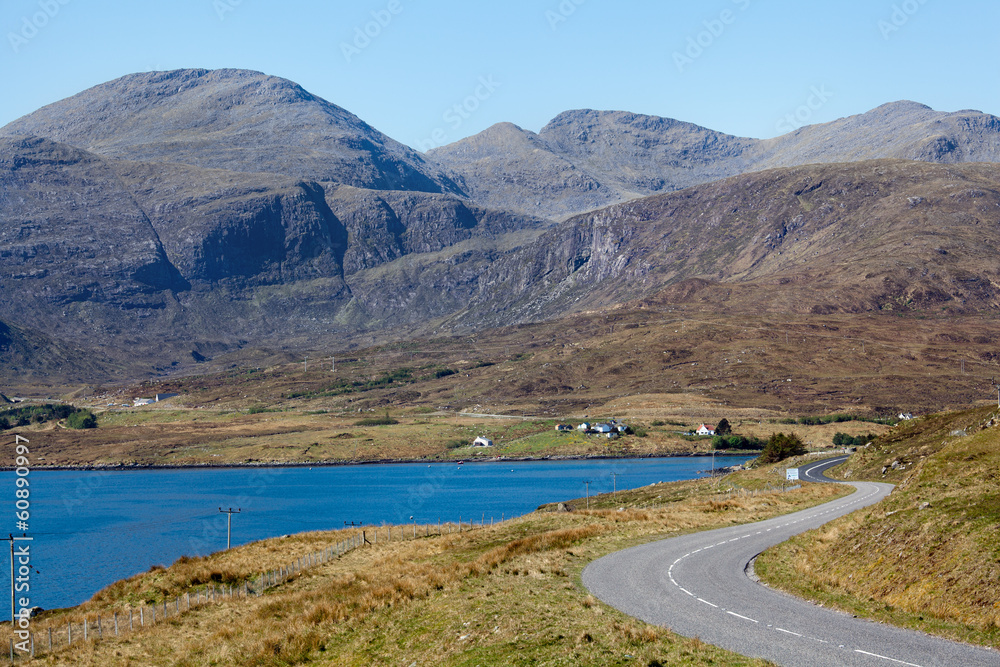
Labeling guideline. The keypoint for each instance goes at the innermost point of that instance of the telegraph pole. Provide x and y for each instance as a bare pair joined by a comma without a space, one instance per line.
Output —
587,482
614,476
229,523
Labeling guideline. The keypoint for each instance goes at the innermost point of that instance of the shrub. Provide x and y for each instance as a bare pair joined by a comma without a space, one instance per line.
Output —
444,372
780,446
82,419
737,442
844,440
385,420
376,421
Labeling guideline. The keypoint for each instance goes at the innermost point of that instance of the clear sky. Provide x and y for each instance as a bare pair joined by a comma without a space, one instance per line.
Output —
738,66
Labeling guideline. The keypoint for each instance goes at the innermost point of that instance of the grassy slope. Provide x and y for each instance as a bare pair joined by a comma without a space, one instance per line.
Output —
928,556
506,594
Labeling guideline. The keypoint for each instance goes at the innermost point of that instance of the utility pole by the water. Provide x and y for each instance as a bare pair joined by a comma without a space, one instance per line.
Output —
587,482
614,477
229,523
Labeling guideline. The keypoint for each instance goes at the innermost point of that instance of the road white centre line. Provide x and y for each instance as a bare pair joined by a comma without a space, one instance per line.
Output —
876,655
745,618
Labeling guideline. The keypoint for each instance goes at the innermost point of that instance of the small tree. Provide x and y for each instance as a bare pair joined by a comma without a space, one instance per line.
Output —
720,442
723,427
82,419
780,446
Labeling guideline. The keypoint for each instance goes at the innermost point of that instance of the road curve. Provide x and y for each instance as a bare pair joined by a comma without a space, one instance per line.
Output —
697,586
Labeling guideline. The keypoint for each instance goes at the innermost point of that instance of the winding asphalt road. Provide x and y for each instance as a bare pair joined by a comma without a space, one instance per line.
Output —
697,586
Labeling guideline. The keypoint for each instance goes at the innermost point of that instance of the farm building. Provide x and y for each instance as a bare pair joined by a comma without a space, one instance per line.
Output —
482,442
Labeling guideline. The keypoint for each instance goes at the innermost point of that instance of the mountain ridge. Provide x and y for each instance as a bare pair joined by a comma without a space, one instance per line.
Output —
153,228
619,155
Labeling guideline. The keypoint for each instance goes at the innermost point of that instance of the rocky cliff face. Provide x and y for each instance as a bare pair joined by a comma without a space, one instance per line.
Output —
145,259
861,237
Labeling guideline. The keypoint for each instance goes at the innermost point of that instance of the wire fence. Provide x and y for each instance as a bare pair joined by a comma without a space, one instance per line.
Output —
27,644
734,492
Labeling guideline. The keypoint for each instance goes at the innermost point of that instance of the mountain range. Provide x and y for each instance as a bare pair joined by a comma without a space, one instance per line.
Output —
166,218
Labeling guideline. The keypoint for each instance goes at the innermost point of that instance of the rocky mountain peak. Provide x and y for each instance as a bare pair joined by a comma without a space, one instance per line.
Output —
232,119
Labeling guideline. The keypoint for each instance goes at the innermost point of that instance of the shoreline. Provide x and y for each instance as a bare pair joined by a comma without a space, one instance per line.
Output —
126,467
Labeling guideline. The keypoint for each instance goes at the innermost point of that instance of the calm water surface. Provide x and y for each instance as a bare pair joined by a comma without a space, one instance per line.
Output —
94,528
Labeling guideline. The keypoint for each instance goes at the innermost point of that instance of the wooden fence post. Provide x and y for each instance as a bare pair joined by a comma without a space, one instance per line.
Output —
142,621
116,624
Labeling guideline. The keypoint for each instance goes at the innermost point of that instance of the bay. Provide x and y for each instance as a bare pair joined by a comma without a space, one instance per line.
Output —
91,528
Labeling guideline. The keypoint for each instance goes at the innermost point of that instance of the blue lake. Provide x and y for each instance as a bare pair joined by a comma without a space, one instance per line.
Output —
94,528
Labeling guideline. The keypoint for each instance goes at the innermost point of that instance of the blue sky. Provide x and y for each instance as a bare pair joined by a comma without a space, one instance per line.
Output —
427,72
